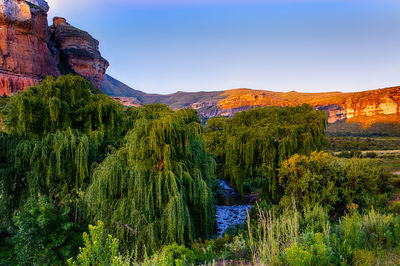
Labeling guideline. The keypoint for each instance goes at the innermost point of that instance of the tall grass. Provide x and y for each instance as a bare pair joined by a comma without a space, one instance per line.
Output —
272,235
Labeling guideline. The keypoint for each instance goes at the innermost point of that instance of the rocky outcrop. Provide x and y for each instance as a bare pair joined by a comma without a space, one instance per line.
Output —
24,56
78,51
30,50
365,108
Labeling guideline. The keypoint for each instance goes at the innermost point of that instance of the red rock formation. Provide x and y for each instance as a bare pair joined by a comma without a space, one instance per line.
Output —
365,108
24,56
78,51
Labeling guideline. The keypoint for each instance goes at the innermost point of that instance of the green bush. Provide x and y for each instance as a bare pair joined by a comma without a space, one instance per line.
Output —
172,255
395,207
330,182
316,219
99,249
318,244
43,234
297,255
373,231
238,248
364,257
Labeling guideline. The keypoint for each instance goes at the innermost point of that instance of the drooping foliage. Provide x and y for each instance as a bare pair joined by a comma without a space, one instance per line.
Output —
156,189
57,132
62,103
252,145
12,182
330,182
59,165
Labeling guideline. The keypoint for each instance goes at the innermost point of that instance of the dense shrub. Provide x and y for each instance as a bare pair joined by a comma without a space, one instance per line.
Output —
329,182
99,249
43,234
297,255
172,255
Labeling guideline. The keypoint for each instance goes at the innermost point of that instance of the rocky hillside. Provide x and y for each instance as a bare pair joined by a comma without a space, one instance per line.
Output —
370,112
30,50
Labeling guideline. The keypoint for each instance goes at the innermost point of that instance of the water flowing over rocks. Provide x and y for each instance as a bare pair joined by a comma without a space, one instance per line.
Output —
234,212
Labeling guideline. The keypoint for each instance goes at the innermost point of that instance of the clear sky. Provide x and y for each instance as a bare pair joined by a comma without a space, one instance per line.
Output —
163,46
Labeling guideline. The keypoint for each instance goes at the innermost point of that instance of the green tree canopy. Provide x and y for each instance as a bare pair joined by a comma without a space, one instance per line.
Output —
155,189
251,145
62,103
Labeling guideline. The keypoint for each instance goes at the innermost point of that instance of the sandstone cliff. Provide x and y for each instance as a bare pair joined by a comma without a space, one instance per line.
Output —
30,50
366,107
79,51
24,56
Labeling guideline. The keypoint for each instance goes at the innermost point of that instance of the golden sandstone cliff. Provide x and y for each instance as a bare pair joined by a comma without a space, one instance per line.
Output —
366,108
30,50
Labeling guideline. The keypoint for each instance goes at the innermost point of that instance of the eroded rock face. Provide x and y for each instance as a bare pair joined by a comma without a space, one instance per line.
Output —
79,51
24,56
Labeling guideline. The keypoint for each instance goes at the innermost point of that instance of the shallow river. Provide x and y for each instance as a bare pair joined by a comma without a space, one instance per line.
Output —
233,212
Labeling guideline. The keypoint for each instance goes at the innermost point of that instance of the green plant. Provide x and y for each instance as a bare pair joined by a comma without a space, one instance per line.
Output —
316,219
99,249
238,248
42,233
297,255
272,235
172,255
318,244
364,257
395,207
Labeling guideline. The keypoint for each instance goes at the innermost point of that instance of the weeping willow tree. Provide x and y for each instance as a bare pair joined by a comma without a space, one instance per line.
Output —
155,190
251,146
62,103
12,183
57,133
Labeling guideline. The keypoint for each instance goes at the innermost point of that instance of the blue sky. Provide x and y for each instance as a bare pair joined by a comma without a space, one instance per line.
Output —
163,46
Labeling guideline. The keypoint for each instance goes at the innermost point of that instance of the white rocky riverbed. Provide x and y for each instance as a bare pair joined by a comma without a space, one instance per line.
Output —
232,213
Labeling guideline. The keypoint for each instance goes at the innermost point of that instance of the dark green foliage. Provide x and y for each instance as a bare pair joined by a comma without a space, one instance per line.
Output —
332,183
371,155
43,234
156,189
253,144
62,103
12,182
350,154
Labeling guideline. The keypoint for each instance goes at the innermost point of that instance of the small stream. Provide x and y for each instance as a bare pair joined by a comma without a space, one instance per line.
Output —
233,211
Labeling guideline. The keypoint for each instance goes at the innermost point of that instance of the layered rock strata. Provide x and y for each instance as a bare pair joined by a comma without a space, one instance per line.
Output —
79,51
24,56
30,50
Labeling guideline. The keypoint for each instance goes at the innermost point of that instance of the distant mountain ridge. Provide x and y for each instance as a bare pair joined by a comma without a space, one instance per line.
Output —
367,112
